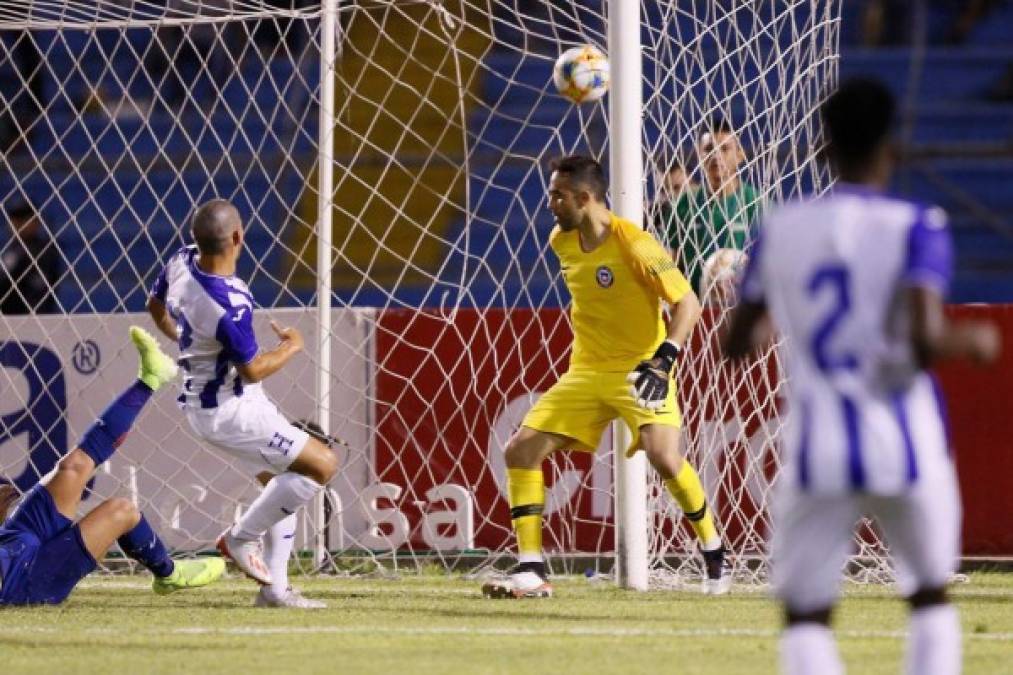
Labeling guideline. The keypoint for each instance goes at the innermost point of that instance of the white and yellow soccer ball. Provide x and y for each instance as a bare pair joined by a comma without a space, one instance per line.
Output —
581,74
720,276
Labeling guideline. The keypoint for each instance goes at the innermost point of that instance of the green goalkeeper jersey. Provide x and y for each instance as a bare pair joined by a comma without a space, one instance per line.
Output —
700,223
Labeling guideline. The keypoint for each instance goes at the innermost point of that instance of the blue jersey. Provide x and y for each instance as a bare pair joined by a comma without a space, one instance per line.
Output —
832,271
214,317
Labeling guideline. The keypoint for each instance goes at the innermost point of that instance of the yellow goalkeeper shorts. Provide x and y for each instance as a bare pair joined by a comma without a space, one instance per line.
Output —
583,403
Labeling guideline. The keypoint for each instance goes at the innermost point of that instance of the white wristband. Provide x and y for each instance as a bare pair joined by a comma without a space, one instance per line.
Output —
675,344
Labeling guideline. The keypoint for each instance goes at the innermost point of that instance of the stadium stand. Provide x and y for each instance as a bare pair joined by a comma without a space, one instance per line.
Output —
961,156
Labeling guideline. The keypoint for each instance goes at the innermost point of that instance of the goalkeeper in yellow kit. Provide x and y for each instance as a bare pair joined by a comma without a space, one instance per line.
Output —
620,366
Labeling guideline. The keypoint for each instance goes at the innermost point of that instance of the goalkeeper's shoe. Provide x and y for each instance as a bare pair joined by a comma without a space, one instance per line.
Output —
247,555
157,367
290,597
719,572
526,580
189,574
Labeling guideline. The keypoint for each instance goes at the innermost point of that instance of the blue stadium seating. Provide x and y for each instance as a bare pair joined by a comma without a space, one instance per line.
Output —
948,74
120,190
994,31
96,215
958,156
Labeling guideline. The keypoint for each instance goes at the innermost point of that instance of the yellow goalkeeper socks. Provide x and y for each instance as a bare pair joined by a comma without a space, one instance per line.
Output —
687,491
526,490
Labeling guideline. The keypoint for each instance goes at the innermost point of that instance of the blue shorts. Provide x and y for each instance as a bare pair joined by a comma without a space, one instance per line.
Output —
42,555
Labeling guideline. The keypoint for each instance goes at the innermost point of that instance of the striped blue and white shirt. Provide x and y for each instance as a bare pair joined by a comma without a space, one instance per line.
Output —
862,417
214,318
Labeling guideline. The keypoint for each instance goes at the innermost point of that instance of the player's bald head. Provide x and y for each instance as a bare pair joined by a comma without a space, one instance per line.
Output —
213,226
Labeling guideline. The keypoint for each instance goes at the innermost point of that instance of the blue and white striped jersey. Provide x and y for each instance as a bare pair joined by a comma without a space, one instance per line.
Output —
214,316
862,416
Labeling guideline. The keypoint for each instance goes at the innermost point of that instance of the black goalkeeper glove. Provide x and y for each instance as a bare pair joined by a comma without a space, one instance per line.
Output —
650,378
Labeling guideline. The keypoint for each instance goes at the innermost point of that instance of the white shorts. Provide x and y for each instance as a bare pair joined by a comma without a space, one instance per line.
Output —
250,428
813,536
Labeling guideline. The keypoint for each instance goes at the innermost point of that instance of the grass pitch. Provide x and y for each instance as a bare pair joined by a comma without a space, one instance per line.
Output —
424,624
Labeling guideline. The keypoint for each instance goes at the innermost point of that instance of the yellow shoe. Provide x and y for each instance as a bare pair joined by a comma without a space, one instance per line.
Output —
190,574
157,367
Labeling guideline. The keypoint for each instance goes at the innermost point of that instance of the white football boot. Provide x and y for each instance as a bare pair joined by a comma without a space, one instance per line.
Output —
247,555
290,597
526,580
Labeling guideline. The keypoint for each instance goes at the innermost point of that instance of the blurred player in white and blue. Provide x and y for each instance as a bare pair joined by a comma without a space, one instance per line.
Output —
199,302
854,281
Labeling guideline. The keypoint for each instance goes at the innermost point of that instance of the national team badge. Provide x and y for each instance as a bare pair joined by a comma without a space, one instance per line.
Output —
604,276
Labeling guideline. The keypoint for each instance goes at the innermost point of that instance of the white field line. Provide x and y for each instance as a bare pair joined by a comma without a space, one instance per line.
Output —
394,588
504,631
403,586
585,631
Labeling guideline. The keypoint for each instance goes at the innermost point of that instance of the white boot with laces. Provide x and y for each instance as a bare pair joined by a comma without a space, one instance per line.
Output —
290,597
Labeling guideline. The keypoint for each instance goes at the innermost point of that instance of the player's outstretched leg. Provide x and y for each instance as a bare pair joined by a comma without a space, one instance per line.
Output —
143,545
58,553
313,468
278,543
526,491
662,444
100,441
119,520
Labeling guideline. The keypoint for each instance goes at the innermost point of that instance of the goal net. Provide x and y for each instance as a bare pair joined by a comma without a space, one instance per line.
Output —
393,198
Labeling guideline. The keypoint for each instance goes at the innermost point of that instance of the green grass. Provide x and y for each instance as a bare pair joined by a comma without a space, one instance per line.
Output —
442,625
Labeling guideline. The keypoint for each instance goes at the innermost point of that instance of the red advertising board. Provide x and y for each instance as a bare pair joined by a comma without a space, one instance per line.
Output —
980,404
445,383
441,382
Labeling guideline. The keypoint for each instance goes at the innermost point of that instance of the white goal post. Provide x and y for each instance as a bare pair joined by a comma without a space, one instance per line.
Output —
627,191
389,159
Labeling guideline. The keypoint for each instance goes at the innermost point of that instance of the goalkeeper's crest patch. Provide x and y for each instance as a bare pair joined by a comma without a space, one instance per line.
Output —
604,276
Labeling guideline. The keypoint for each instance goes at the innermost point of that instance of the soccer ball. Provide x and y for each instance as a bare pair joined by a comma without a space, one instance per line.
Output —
720,276
581,74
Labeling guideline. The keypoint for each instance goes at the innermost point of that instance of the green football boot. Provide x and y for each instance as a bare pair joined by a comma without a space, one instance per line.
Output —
190,574
157,367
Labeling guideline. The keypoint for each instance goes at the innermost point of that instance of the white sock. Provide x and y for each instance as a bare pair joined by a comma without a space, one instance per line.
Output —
277,549
712,544
280,498
809,649
933,646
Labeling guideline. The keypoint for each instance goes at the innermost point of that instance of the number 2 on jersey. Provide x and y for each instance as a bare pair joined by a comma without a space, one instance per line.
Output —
838,279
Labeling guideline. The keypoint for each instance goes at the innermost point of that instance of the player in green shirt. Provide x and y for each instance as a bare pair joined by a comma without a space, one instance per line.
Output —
675,183
718,213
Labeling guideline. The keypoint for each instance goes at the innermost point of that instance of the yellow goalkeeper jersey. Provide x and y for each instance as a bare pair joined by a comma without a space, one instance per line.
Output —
617,291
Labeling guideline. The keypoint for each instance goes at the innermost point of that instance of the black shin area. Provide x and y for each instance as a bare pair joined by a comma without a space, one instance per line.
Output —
536,567
927,597
818,616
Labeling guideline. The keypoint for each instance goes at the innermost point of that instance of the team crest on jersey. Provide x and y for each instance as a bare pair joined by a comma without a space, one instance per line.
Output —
604,276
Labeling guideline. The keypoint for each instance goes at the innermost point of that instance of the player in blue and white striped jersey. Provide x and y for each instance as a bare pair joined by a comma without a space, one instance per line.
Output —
854,282
198,301
214,315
